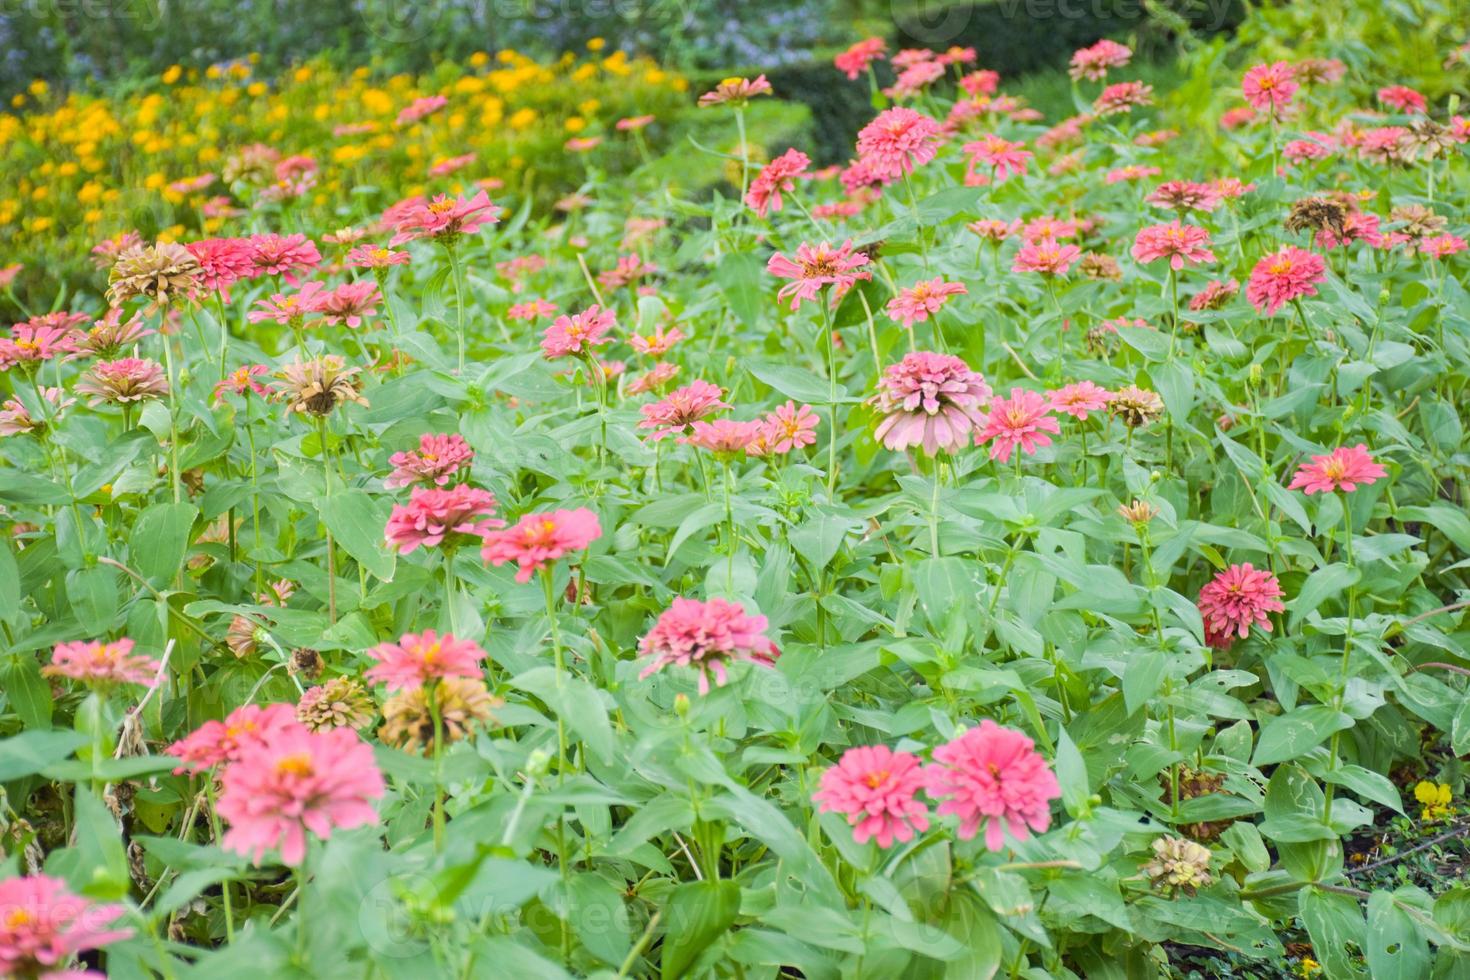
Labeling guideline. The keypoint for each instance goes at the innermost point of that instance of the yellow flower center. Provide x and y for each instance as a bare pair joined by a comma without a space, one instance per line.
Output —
295,765
876,779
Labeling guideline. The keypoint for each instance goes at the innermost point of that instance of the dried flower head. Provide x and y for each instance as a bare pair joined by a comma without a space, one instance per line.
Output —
1179,865
318,386
462,702
341,702
1136,406
162,273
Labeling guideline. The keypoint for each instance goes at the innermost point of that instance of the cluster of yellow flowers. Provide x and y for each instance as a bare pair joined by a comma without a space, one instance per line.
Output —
164,159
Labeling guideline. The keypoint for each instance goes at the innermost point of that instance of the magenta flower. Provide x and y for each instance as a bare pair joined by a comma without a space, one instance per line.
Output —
284,256
350,303
1022,420
1270,87
433,514
775,178
993,776
816,266
1345,468
897,141
579,333
1093,62
43,925
707,636
929,400
1176,242
101,663
1047,257
1079,399
1234,600
1283,276
224,262
297,781
437,459
242,381
874,787
681,408
788,428
215,743
537,540
1003,157
443,218
924,298
415,660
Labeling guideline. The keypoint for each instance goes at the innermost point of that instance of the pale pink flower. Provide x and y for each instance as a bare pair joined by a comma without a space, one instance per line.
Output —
929,400
450,165
631,123
375,257
103,663
707,636
735,91
1179,243
1234,600
982,82
297,781
913,79
1215,295
1270,87
777,177
1230,188
126,380
417,659
897,141
1185,195
1004,158
420,108
1442,246
681,409
1047,257
437,459
658,343
284,256
1345,468
654,379
722,436
537,540
1022,420
578,334
1093,62
433,514
1079,399
993,777
1122,97
1047,227
816,266
242,381
15,418
788,428
630,269
993,229
923,299
289,309
1132,172
350,303
1283,276
874,787
530,310
215,743
43,926
1357,226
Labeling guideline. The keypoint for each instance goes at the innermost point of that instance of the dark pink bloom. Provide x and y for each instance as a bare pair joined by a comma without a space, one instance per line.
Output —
875,788
1178,243
1345,468
284,256
1270,87
707,636
1403,98
1022,420
417,659
923,299
579,333
297,781
897,141
929,400
1234,600
224,261
776,177
1047,257
437,459
43,925
537,540
215,743
681,409
432,514
856,59
816,266
993,776
1284,276
443,218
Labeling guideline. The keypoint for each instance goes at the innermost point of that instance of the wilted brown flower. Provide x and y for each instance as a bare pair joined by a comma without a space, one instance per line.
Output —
1136,406
129,379
1419,221
1425,138
341,702
1138,513
243,637
305,662
163,273
319,385
408,725
1096,265
1316,214
1179,865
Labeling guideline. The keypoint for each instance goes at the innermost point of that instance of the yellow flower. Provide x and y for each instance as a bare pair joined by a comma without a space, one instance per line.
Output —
522,118
1435,800
480,59
596,44
172,74
39,87
575,124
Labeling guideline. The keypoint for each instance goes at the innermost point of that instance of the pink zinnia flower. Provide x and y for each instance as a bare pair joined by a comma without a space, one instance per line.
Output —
224,261
707,636
874,787
289,309
1215,295
994,229
1185,195
242,381
128,379
1442,246
1079,398
1131,172
420,108
929,400
530,310
284,256
42,926
776,177
1004,158
215,743
375,257
897,141
350,303
654,379
917,303
1270,87
1345,468
1122,97
1093,62
993,776
1046,227
537,540
15,418
438,458
1283,276
443,218
1358,226
1403,98
735,91
417,659
298,781
816,266
1176,242
579,333
631,123
101,663
1047,257
1234,600
432,514
1022,420
788,428
726,437
658,343
856,59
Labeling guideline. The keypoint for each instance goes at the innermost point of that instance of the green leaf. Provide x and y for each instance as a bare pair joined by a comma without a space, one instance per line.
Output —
794,382
27,691
1142,677
1288,736
696,914
741,278
1396,948
1333,922
576,702
159,541
30,752
1071,774
1367,784
356,521
1329,581
9,583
